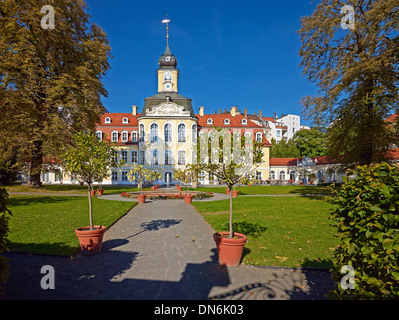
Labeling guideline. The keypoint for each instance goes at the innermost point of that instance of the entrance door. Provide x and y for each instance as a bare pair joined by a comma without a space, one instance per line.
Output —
168,177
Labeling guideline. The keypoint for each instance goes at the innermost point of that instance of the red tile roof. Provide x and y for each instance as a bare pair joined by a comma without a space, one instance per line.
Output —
392,118
218,121
116,119
277,162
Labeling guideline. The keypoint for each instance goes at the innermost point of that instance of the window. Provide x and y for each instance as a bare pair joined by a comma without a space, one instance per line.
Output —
168,132
181,157
142,133
201,176
209,121
134,136
244,121
114,136
154,158
124,176
272,175
114,176
99,135
124,155
154,132
168,157
142,157
278,133
259,136
107,120
247,135
181,133
125,135
115,156
134,156
282,175
226,121
125,120
194,133
258,175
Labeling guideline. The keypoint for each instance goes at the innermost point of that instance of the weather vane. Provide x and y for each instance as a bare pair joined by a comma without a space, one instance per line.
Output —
167,28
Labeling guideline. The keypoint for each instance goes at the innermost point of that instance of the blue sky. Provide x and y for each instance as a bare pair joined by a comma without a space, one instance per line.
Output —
229,53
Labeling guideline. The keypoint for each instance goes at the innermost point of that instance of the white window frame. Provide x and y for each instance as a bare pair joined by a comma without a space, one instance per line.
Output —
181,133
107,120
124,176
133,136
244,122
124,155
181,157
99,135
168,157
154,157
170,132
259,137
126,138
125,120
194,133
114,176
112,136
226,121
141,157
209,121
141,132
154,132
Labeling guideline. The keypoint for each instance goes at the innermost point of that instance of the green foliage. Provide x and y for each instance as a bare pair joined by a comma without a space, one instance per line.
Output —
367,218
284,149
5,214
311,143
139,173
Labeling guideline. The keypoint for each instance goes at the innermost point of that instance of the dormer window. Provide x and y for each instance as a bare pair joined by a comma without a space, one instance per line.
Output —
107,120
244,121
125,120
209,121
226,121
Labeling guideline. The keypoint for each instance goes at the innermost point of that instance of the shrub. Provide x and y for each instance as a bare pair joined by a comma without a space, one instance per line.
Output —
4,218
367,218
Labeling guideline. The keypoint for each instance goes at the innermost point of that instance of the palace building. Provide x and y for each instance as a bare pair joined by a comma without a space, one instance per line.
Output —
163,136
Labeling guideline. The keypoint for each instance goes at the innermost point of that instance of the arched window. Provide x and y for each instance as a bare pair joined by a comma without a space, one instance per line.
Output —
272,175
209,121
142,157
168,132
107,120
125,120
142,133
154,132
99,135
125,135
259,137
168,177
114,136
293,175
194,133
181,133
282,175
154,158
181,157
226,121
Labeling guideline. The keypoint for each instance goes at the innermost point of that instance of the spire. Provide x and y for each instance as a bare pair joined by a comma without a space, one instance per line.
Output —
167,50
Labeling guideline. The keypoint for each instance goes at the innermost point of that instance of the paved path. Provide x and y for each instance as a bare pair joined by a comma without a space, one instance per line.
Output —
160,250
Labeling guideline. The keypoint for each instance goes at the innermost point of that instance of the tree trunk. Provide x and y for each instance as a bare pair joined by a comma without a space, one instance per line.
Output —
36,165
90,210
231,214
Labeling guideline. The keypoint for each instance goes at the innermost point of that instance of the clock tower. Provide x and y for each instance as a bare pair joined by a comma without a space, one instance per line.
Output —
167,72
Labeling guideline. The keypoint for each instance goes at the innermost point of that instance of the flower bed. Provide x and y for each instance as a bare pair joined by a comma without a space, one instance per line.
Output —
165,196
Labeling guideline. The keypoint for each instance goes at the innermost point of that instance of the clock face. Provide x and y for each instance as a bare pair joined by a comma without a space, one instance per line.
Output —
167,59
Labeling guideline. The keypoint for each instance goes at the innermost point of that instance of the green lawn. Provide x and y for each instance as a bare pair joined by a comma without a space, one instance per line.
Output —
46,224
281,231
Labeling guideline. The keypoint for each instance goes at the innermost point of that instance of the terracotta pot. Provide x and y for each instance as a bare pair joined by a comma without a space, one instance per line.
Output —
93,193
141,198
100,192
229,250
153,188
157,186
90,240
227,191
188,198
234,193
178,188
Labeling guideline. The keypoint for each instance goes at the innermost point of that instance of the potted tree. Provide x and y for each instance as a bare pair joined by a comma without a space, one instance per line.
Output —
231,171
155,176
141,174
89,159
187,176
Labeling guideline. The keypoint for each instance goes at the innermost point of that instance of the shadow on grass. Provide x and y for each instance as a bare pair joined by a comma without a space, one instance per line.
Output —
317,263
44,248
251,229
38,199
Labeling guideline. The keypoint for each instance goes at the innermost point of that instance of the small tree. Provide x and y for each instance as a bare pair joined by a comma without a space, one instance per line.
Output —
139,173
188,175
231,170
89,159
155,176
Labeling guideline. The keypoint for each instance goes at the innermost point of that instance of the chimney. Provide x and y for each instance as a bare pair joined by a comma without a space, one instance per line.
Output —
245,112
134,110
220,111
201,111
233,111
260,114
274,115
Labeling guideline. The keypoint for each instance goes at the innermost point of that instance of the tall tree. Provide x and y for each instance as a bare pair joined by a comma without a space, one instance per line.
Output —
355,67
50,77
311,143
284,149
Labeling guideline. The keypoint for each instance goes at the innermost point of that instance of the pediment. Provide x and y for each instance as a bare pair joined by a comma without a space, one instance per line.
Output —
169,109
